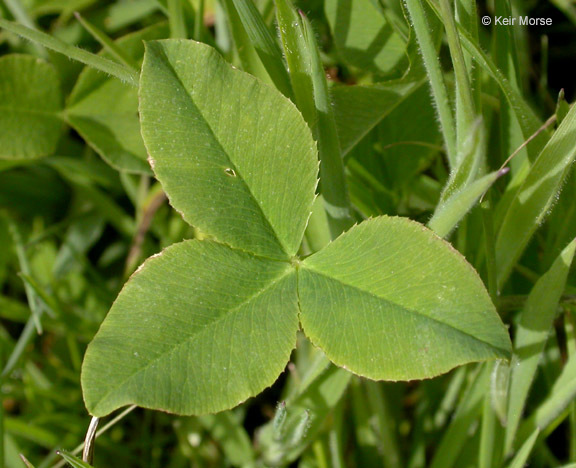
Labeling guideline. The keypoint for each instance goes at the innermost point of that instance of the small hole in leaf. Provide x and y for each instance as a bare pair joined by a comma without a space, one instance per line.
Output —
230,172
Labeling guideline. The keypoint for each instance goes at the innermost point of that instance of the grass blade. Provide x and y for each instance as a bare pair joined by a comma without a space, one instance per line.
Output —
531,335
379,403
74,461
177,20
520,459
31,295
465,111
102,64
313,100
107,43
552,411
527,119
23,340
199,21
49,302
247,54
264,43
26,462
450,212
430,55
488,435
535,196
470,407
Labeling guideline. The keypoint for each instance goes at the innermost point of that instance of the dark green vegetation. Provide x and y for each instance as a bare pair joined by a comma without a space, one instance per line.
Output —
414,110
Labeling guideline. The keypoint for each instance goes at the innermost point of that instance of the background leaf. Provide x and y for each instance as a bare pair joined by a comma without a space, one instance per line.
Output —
365,39
105,111
30,103
358,109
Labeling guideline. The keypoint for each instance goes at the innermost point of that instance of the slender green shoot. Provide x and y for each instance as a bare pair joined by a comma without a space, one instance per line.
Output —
264,43
31,295
107,43
313,99
421,27
123,73
177,19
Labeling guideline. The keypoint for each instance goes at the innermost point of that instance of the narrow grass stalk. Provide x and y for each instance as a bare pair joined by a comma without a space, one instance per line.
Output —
386,424
247,54
465,112
23,341
487,435
532,332
334,439
31,295
490,248
264,43
468,410
312,98
470,133
50,459
199,21
553,410
73,461
527,119
439,92
520,459
102,64
107,43
450,212
49,302
467,16
532,200
176,19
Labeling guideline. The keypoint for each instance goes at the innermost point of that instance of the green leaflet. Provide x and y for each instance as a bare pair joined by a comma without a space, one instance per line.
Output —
30,104
400,302
227,149
198,329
